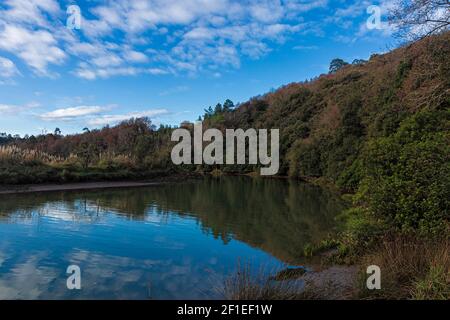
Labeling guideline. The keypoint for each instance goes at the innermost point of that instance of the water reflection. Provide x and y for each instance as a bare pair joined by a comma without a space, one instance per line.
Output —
168,241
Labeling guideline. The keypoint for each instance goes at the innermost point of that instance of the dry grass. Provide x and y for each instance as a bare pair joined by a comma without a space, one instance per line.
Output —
246,285
411,268
15,155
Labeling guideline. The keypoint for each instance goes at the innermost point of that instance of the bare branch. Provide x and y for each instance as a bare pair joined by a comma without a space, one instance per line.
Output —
416,19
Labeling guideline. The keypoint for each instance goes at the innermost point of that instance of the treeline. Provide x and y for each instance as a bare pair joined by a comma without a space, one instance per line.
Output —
136,139
134,149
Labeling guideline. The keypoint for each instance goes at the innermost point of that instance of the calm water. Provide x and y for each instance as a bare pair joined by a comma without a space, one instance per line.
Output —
162,242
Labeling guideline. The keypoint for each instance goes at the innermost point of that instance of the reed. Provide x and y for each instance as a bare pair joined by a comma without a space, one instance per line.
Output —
17,156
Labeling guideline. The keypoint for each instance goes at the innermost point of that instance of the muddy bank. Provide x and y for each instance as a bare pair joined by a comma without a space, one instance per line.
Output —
334,283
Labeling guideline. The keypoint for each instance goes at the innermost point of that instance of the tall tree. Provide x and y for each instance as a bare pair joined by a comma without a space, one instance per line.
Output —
228,105
416,19
218,108
337,64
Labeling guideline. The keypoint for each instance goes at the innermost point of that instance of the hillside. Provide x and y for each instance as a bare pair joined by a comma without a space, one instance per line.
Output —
325,123
380,129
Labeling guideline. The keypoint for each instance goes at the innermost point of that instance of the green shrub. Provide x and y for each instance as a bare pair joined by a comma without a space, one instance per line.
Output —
361,230
407,175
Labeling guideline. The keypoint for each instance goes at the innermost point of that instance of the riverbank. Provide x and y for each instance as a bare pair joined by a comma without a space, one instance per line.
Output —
131,183
92,185
73,186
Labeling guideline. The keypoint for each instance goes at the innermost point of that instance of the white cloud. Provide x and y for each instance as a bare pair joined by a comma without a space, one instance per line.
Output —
31,12
174,90
36,48
294,7
113,119
157,71
108,60
300,47
91,115
135,56
72,112
86,74
10,109
4,108
267,11
8,82
7,68
91,73
192,35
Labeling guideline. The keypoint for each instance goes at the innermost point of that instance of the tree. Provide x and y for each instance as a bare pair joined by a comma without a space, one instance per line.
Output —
415,19
359,61
228,105
218,109
84,152
209,112
337,64
57,132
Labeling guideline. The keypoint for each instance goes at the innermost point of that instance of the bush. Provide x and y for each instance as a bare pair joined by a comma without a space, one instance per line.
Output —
407,175
360,232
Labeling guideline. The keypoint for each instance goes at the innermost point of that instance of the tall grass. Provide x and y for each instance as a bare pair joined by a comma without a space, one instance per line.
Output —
14,155
28,166
17,156
246,284
411,268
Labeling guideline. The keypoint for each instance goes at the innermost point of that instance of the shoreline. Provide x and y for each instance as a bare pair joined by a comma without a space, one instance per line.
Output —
92,185
74,186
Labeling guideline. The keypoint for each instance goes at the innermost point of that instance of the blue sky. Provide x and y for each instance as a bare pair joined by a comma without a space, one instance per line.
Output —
166,59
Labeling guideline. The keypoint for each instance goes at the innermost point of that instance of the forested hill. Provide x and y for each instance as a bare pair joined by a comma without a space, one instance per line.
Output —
325,124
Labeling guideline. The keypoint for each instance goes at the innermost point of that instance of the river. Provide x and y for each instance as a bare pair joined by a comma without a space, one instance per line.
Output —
168,241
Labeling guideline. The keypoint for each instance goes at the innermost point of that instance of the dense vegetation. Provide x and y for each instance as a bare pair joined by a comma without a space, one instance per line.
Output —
133,149
378,129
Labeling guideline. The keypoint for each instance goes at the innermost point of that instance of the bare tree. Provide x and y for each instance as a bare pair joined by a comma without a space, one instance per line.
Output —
415,19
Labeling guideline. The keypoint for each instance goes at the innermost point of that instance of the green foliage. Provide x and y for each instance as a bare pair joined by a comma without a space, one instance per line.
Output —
434,286
359,61
337,64
407,175
351,176
360,232
310,250
402,71
305,160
